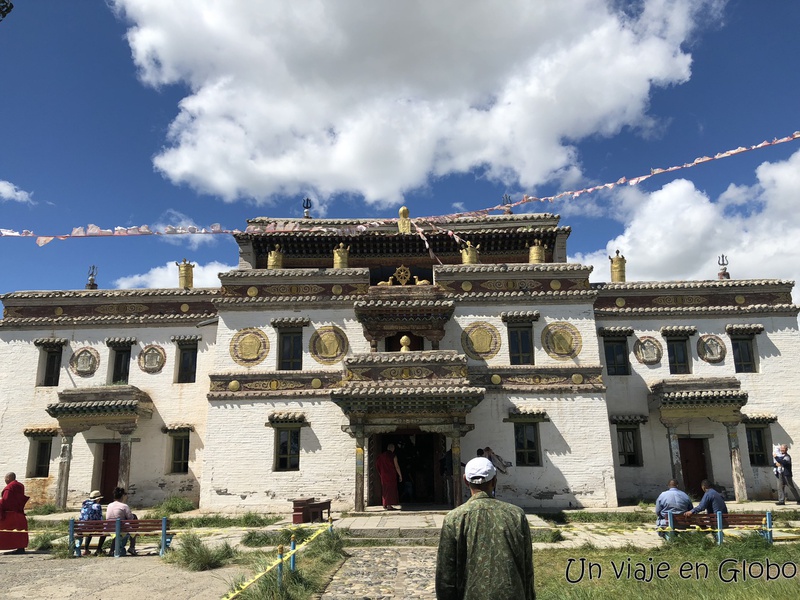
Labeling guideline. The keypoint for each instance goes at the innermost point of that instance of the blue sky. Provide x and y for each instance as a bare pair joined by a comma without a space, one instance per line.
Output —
136,112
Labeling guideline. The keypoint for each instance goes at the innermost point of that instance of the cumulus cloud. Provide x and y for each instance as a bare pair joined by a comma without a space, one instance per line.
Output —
10,192
379,98
166,276
678,232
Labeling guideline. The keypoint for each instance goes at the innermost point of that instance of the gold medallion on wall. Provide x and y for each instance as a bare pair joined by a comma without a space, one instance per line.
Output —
562,340
249,347
152,359
711,349
480,340
328,345
648,350
84,361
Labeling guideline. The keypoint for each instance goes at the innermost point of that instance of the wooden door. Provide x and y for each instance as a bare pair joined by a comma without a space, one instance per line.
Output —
694,465
109,471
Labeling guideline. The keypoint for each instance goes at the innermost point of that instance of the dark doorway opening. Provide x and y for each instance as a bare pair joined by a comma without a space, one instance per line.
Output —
109,471
419,455
694,464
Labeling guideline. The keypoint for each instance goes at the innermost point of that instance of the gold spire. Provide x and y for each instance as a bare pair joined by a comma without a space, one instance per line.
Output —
617,268
340,256
275,258
536,252
403,222
185,275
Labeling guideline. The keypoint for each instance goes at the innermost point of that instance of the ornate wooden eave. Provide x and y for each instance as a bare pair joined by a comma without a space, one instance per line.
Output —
114,406
404,401
682,398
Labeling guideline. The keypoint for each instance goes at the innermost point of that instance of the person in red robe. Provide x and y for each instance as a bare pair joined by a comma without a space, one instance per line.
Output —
389,472
12,516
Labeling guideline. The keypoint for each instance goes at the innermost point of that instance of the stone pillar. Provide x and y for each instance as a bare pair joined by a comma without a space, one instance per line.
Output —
739,485
124,478
64,460
455,447
675,454
359,500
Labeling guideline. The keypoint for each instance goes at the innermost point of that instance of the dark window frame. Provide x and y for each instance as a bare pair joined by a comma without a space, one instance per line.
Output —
613,365
629,446
676,366
291,358
744,364
287,448
121,365
187,363
520,334
180,444
527,454
52,366
42,453
758,457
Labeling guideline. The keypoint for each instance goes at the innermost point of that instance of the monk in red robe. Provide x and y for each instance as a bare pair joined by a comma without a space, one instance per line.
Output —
12,516
389,472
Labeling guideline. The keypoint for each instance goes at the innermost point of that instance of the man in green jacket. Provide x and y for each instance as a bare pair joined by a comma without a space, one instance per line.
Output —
485,545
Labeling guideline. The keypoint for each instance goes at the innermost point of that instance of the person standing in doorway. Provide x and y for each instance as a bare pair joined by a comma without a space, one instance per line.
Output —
782,459
389,472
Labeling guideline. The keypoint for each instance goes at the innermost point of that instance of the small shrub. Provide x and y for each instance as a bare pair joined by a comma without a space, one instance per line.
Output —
170,506
194,555
548,536
251,519
259,539
43,542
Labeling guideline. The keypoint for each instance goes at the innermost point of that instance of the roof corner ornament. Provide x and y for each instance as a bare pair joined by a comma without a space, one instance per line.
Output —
617,268
469,254
306,208
403,222
722,261
92,283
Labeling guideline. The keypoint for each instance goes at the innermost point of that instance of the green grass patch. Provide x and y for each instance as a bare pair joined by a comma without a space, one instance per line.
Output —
316,563
246,520
43,542
691,566
43,509
547,536
169,507
195,555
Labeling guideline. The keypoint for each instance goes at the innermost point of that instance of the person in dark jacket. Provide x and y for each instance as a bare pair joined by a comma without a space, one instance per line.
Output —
712,501
782,459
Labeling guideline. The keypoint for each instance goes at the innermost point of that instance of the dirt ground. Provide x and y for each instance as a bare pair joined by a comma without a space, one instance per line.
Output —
39,576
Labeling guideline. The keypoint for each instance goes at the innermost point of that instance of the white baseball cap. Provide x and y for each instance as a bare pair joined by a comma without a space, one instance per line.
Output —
480,470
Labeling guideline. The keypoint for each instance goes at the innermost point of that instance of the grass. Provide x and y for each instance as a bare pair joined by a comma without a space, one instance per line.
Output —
169,507
547,536
43,542
43,509
564,517
709,571
193,554
259,539
316,564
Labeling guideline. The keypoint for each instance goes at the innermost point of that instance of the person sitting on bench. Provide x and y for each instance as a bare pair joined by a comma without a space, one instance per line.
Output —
92,510
712,501
119,510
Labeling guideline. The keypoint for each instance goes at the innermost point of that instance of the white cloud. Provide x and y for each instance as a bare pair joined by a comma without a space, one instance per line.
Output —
376,98
678,232
10,192
166,276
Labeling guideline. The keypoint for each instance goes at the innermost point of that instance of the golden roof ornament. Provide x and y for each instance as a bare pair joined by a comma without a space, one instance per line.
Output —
617,268
469,254
403,222
536,252
340,256
185,275
405,344
275,258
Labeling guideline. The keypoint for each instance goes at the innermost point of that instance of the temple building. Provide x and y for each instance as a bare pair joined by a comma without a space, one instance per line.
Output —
334,338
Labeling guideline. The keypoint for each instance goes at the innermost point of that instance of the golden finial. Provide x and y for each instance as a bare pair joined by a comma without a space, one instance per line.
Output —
405,344
340,256
185,275
403,222
469,254
617,268
536,252
275,258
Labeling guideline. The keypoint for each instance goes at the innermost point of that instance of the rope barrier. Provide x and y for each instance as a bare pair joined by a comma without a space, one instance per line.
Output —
242,587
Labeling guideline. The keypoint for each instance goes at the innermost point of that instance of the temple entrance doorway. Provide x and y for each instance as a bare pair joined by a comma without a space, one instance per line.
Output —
419,455
109,471
694,464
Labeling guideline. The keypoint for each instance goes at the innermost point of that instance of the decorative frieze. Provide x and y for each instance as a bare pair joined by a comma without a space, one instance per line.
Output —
632,419
519,316
744,329
678,331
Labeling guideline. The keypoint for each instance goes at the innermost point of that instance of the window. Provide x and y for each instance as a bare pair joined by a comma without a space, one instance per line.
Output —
52,366
122,363
629,446
180,452
41,449
187,363
287,448
617,356
290,342
526,443
744,359
757,445
520,344
678,352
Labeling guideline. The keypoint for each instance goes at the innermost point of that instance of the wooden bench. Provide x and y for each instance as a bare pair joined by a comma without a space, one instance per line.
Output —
716,523
119,528
308,510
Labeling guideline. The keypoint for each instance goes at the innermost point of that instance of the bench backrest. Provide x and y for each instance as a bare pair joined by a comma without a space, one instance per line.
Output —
110,526
728,520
